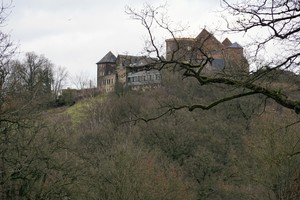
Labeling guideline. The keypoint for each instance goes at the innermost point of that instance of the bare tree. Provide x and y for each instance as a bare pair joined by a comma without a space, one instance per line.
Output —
32,79
7,50
60,76
36,71
279,20
82,81
28,144
283,21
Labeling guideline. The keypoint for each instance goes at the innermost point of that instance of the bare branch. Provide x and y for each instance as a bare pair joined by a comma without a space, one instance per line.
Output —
280,18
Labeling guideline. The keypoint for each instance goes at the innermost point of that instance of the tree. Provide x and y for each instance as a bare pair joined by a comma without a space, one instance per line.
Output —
278,21
60,75
30,151
34,164
251,161
7,50
116,163
33,78
82,81
36,73
9,108
239,84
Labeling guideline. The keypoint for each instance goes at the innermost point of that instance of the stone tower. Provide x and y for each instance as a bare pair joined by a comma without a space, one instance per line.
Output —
106,69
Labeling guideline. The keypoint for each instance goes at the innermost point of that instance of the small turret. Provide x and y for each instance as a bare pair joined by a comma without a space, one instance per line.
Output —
236,58
235,50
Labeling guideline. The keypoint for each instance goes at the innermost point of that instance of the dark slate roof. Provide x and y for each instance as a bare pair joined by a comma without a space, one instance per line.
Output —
135,61
235,45
108,58
218,63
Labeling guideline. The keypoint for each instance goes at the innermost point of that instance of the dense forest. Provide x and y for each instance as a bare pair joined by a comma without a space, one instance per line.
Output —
100,148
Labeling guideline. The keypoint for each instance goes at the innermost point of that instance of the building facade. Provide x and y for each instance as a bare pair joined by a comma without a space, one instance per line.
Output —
136,72
140,72
224,56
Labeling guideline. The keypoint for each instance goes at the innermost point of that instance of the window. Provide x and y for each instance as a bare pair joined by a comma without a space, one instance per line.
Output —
151,77
157,77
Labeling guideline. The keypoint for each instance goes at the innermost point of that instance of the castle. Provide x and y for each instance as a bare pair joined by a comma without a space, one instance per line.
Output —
141,71
126,70
225,57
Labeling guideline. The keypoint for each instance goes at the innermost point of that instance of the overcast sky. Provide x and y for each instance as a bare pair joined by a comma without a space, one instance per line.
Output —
77,33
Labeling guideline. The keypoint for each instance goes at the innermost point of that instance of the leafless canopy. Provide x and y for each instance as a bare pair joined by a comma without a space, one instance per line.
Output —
281,18
7,48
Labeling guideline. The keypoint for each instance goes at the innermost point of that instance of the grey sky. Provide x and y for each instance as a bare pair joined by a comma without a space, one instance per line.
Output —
76,34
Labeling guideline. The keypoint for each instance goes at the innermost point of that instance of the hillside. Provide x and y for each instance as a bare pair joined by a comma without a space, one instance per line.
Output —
99,148
242,149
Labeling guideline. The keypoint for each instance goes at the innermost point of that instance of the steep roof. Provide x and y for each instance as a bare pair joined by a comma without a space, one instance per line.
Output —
208,39
204,34
227,42
108,58
235,45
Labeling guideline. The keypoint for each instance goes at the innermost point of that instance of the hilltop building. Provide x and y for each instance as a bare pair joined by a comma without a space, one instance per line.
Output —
136,72
225,56
139,72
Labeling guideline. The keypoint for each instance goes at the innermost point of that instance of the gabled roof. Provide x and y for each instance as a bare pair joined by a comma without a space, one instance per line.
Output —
208,38
227,42
235,45
204,34
108,58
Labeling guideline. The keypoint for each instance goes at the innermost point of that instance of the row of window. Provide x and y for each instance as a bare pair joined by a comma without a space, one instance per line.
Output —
109,89
103,73
108,81
150,77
